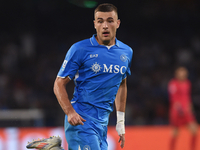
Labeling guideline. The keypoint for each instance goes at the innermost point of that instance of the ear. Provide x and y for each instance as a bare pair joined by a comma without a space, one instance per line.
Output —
118,23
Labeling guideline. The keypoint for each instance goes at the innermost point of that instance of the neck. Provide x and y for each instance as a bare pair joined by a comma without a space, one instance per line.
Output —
106,42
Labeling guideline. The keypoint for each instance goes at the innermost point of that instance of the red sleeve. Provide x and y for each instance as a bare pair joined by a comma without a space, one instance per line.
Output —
172,90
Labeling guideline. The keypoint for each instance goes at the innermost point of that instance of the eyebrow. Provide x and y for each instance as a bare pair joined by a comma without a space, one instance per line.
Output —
107,18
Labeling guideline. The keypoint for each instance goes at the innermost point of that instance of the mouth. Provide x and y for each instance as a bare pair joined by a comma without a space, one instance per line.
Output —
106,33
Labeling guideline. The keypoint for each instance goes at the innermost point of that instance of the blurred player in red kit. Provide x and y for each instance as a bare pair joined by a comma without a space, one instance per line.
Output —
180,113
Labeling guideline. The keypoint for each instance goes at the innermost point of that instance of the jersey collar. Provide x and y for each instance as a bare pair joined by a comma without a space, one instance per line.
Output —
94,42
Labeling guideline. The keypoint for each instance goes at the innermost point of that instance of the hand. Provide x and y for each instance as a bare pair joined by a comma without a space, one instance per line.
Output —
75,119
120,127
122,140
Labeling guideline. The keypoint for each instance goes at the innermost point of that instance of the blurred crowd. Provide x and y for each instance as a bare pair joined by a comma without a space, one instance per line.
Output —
35,37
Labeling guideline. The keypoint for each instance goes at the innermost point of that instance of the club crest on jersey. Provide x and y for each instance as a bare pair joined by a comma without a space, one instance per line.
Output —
86,147
123,57
96,67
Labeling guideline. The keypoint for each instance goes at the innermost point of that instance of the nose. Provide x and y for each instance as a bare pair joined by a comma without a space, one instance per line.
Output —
105,25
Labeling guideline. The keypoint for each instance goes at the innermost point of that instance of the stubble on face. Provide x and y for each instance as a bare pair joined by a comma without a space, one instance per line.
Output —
106,42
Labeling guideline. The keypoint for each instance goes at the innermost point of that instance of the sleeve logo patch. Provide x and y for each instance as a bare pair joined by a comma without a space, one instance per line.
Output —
64,64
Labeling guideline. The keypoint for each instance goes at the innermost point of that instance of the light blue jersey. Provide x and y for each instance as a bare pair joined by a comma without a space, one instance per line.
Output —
97,71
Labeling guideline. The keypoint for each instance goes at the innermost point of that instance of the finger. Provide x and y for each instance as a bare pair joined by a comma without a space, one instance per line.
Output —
81,123
119,138
122,141
75,121
122,144
71,122
82,119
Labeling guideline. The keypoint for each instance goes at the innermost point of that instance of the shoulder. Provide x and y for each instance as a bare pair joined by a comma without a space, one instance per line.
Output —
172,82
127,49
82,43
124,46
172,88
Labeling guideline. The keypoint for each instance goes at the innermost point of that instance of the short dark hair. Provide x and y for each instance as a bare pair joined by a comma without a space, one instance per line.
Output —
106,7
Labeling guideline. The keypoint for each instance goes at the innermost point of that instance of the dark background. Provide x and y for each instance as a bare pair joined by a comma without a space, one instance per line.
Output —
36,34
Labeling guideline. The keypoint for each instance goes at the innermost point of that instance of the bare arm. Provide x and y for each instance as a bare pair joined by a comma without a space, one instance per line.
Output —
62,97
120,103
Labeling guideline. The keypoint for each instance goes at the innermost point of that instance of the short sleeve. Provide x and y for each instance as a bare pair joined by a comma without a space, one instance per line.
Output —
71,64
129,58
172,89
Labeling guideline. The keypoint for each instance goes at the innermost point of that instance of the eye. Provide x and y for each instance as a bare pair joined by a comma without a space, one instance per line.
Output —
100,21
110,21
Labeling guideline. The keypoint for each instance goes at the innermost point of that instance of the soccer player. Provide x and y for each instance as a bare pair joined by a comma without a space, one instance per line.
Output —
179,90
99,66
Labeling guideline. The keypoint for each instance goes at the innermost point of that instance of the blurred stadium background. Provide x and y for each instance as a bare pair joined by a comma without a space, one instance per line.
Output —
35,36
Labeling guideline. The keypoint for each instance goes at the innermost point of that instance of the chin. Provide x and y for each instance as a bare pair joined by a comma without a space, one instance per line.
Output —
106,42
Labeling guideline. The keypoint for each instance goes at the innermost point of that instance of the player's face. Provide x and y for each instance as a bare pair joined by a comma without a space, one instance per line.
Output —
181,74
106,24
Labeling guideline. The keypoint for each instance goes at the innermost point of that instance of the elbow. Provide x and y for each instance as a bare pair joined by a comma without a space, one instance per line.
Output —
59,85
